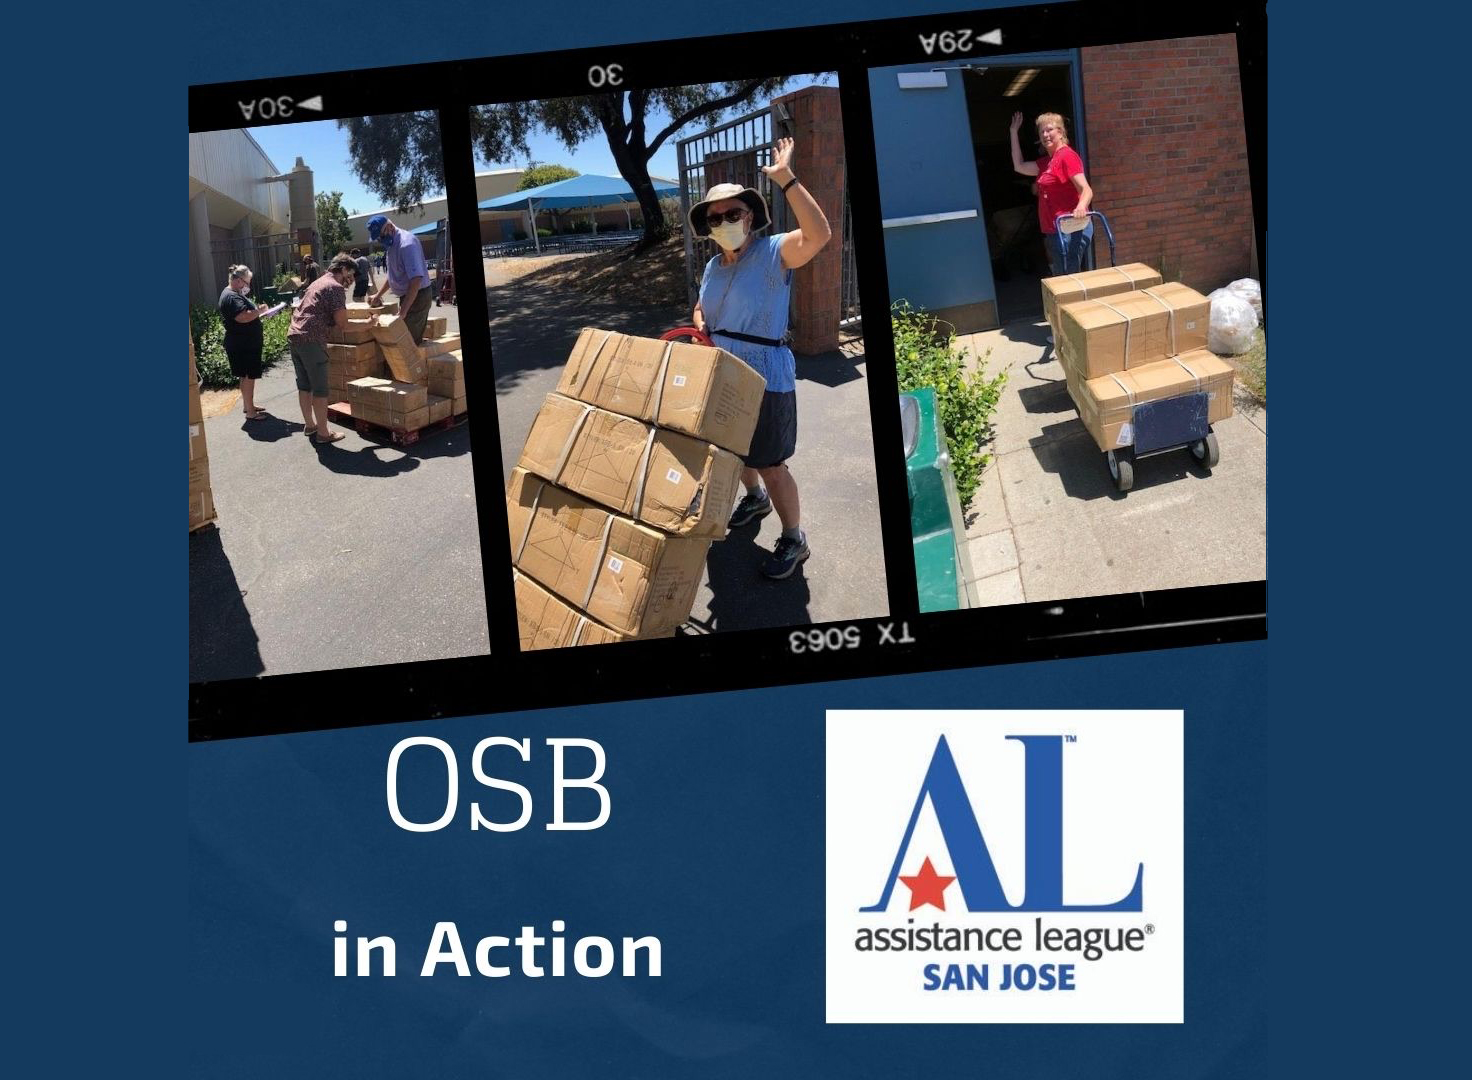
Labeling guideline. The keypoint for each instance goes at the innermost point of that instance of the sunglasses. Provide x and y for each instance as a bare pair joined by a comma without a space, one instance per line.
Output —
732,216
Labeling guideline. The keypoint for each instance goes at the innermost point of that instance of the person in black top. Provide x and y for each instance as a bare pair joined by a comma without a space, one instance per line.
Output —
310,270
244,337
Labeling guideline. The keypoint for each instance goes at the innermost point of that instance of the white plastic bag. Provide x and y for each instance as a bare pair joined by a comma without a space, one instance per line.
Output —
1248,289
1233,324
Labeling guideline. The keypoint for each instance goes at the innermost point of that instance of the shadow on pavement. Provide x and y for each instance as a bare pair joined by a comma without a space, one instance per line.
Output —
1080,464
273,429
1028,332
364,461
534,329
832,368
223,643
1047,397
741,598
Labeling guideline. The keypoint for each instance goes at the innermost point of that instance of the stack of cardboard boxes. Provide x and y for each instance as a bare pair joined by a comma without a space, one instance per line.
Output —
630,471
1127,339
201,499
386,379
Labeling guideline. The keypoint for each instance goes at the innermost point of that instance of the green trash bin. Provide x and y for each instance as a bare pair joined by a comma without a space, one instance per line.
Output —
269,295
936,526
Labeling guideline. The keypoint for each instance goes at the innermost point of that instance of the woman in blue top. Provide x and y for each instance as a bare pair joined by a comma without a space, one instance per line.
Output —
743,309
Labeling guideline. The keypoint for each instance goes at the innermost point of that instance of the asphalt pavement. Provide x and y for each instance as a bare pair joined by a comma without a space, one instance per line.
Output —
340,556
532,332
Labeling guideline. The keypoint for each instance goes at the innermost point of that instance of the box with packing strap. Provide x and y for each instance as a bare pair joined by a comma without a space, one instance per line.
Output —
458,406
400,405
364,359
358,333
362,311
447,375
435,327
634,579
1100,337
1093,284
546,621
705,392
439,408
1106,405
432,346
198,448
201,508
403,357
676,483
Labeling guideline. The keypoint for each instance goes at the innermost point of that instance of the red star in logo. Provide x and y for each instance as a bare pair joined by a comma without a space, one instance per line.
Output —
927,887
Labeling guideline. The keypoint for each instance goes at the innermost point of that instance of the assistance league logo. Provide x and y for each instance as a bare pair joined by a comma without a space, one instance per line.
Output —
1037,875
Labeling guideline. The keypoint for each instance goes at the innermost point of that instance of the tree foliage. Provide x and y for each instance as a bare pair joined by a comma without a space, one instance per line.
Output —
540,173
398,157
333,234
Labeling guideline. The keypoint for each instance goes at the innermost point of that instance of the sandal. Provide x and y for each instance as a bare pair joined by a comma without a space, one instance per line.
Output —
261,414
332,437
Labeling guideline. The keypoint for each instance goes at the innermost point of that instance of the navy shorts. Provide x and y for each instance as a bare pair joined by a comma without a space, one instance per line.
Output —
775,438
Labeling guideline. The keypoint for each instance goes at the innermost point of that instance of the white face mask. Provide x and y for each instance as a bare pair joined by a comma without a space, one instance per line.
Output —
729,234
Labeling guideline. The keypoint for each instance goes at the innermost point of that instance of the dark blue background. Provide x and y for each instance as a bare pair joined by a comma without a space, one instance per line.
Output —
716,839
715,845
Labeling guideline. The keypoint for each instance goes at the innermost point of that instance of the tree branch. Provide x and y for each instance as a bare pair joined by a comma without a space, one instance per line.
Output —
704,110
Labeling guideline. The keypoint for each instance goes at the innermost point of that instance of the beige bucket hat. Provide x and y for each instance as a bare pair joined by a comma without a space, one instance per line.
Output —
760,218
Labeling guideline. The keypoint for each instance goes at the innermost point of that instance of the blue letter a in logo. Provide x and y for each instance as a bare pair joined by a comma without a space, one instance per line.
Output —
970,859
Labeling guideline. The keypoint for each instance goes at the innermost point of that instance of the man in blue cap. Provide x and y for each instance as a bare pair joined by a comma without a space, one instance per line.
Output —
407,273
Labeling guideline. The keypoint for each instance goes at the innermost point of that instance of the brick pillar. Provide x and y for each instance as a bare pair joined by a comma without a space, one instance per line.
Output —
817,160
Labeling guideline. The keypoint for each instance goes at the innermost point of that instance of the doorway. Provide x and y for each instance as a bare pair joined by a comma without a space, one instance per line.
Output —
1014,240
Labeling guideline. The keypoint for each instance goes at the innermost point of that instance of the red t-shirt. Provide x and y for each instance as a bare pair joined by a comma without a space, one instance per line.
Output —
1056,193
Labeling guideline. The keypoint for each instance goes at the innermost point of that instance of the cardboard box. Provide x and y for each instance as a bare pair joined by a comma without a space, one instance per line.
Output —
439,408
436,326
196,409
1106,405
439,346
1100,337
458,406
355,334
201,508
199,474
403,357
354,357
1092,284
705,392
546,621
447,375
363,312
197,446
682,485
395,398
630,577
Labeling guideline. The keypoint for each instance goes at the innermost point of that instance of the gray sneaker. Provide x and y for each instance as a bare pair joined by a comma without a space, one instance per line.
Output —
749,509
786,557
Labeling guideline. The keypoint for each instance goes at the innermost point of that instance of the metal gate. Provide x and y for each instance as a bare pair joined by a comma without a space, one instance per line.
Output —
732,153
263,254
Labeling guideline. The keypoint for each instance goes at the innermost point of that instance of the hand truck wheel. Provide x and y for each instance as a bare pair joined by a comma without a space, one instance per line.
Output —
1121,470
1206,451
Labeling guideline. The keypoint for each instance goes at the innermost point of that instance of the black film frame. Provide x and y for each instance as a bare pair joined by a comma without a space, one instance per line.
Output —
904,641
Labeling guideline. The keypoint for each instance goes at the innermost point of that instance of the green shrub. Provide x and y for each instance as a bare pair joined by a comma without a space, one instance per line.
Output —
926,354
208,333
544,233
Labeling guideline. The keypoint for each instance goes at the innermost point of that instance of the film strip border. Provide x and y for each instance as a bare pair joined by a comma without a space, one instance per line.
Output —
905,641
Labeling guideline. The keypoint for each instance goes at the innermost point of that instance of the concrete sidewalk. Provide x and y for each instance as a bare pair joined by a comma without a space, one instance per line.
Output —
1048,524
531,335
331,557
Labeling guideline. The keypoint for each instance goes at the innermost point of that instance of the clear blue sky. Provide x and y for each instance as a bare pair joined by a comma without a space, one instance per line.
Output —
324,147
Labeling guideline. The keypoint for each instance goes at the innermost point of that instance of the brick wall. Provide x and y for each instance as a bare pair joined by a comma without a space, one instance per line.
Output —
1167,157
817,160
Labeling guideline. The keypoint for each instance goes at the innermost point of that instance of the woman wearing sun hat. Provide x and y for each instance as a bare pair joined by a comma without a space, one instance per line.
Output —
743,308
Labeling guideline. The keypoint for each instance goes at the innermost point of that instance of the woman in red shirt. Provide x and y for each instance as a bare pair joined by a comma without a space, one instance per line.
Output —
1062,189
